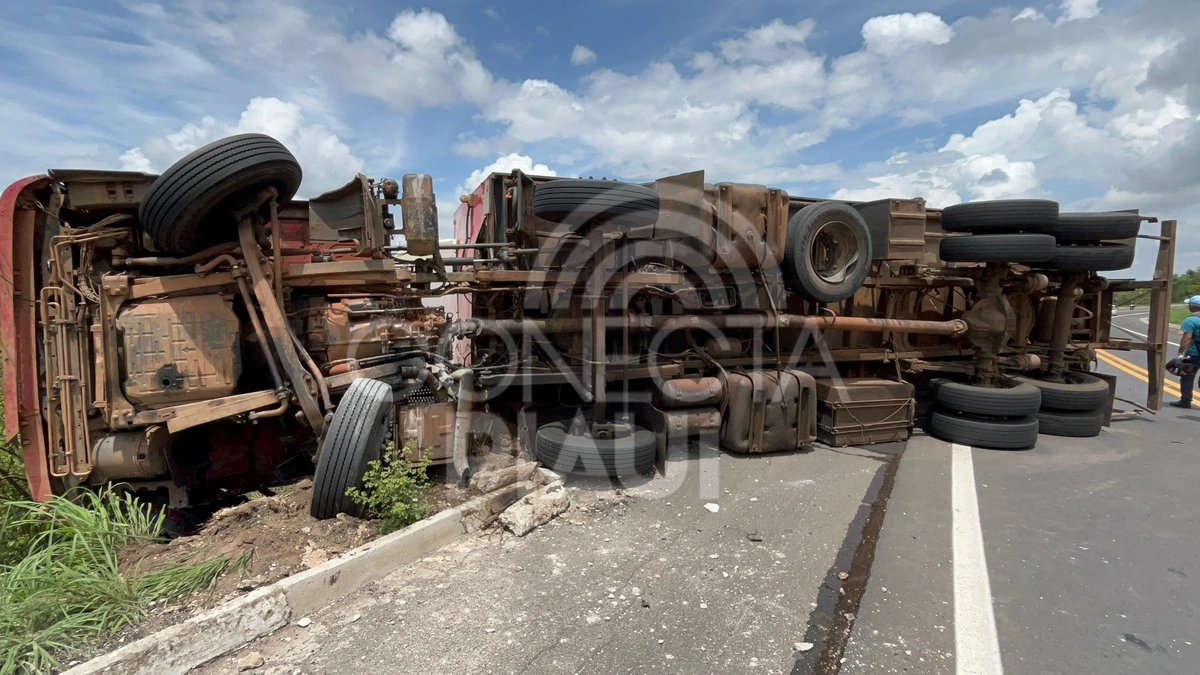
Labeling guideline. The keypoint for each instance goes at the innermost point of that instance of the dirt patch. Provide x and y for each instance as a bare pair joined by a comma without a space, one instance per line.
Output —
444,496
276,532
276,535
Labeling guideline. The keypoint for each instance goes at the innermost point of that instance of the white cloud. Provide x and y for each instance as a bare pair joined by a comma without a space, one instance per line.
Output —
582,55
420,60
1076,10
894,178
448,204
1038,129
135,160
327,162
504,165
429,62
895,33
770,43
1146,128
944,183
663,121
1103,106
1146,155
1030,14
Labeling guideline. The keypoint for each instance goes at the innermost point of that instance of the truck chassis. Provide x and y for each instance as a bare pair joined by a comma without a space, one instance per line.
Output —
193,340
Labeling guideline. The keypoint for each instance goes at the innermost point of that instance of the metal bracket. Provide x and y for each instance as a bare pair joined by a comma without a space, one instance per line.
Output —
276,324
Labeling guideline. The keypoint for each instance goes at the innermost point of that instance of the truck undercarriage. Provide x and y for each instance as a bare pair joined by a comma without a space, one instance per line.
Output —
200,333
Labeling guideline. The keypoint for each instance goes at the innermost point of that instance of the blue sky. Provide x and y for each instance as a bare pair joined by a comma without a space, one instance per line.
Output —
1091,102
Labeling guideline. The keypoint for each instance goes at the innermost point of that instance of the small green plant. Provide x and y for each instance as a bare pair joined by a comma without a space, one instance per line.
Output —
394,488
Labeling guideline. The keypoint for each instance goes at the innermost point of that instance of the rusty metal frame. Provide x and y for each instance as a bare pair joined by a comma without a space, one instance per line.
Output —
277,327
188,415
1161,287
1160,314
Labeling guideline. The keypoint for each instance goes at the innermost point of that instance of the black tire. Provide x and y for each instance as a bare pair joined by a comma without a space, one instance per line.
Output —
1014,434
581,203
999,248
828,253
188,207
1092,228
1100,258
355,436
1081,391
1004,216
559,450
1085,424
1015,401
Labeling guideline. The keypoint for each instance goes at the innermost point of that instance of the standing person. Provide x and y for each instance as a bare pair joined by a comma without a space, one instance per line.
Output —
1189,350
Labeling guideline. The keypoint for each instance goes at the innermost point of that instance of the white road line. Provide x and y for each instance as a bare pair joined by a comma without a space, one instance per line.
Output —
976,646
1140,335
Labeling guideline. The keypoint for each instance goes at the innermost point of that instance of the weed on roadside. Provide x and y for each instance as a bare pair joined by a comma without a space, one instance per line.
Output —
394,488
66,591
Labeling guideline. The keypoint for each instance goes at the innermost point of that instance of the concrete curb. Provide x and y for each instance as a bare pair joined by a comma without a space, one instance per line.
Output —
179,648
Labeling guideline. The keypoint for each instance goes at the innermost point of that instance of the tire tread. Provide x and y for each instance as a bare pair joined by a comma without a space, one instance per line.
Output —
342,453
1018,401
1003,216
1016,434
1082,391
178,210
1085,424
617,458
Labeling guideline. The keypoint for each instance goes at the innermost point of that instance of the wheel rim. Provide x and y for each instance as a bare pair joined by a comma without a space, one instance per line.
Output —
834,252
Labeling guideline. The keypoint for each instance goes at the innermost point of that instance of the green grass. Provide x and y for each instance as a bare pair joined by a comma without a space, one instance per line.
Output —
67,590
61,586
1178,314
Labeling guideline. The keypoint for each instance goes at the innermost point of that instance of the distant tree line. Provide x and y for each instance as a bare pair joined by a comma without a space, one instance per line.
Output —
1186,285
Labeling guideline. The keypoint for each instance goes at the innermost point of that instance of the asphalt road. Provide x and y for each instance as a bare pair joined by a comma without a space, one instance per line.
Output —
1079,556
641,579
1091,550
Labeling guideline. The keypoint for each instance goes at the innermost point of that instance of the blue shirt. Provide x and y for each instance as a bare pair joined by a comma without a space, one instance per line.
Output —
1192,325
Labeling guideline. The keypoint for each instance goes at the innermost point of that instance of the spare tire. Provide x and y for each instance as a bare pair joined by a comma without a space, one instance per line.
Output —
1091,228
1080,391
1009,401
998,248
1003,216
189,207
582,455
580,203
1098,258
828,253
355,436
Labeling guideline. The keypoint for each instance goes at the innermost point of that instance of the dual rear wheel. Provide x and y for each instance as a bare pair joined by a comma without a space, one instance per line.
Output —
1012,416
999,418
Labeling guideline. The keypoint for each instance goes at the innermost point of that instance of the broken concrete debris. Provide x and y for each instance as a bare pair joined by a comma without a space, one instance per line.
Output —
493,480
536,509
250,661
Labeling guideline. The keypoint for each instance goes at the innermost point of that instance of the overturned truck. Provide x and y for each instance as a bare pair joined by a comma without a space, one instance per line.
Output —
201,333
